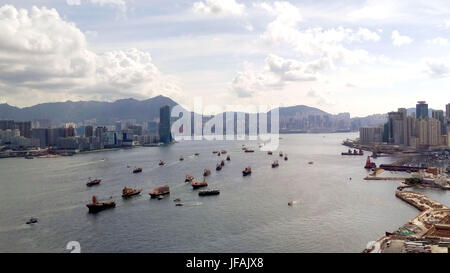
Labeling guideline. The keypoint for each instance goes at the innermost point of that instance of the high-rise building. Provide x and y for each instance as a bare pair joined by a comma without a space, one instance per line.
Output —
398,127
89,131
428,131
41,135
24,128
439,115
447,111
165,134
421,109
7,124
370,135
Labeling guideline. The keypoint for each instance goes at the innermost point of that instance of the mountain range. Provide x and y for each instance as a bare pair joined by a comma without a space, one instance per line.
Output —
141,111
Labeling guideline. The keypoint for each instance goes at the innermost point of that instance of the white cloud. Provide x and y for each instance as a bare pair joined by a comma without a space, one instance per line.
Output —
438,41
436,68
73,2
41,53
400,40
230,7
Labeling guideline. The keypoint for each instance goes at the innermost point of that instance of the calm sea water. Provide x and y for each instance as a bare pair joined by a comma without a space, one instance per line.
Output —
332,213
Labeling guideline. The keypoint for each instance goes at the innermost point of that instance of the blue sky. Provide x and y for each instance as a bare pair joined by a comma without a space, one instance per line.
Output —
361,57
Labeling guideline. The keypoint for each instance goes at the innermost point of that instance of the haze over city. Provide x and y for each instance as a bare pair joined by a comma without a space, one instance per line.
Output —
361,57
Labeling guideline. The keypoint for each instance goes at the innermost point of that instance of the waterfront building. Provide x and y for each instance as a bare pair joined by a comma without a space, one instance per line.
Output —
165,134
136,129
40,135
398,127
371,135
421,110
89,131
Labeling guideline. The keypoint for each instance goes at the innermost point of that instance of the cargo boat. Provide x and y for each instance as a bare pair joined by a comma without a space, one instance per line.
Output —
160,191
128,192
208,192
96,206
93,182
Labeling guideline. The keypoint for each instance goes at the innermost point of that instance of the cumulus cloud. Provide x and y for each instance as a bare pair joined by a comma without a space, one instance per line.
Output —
228,7
400,40
438,41
41,53
436,68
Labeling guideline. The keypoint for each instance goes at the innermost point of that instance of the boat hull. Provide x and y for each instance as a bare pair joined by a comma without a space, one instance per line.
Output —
94,208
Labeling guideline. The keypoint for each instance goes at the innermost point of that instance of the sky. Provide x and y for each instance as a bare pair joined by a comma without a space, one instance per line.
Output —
362,57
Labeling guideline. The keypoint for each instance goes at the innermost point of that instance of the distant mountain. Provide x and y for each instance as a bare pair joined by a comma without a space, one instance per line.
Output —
104,112
301,110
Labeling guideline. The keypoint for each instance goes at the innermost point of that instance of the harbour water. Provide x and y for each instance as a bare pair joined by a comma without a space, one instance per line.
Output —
332,213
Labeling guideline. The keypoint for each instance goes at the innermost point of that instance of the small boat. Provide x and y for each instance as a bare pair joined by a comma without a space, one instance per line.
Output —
93,182
281,154
218,154
275,164
206,172
181,158
178,204
222,163
96,206
224,152
128,192
159,191
32,220
285,157
249,151
189,178
247,171
269,153
290,203
199,184
215,152
209,192
311,162
162,163
218,167
176,200
137,170
228,158
197,154
244,148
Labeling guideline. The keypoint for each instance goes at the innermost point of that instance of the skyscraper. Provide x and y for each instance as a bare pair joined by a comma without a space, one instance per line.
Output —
165,135
439,115
447,111
421,109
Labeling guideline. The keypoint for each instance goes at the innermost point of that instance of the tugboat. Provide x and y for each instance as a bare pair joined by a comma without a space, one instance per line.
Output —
275,164
162,163
32,220
93,182
128,192
137,170
181,158
199,184
218,167
228,158
206,172
285,157
208,192
189,178
96,206
269,153
160,192
247,171
370,164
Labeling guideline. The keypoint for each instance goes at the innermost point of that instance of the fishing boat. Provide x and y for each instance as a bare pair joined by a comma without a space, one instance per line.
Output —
162,163
181,158
137,170
206,172
269,153
247,171
96,206
228,158
93,182
189,178
199,184
209,192
218,167
128,192
160,191
275,164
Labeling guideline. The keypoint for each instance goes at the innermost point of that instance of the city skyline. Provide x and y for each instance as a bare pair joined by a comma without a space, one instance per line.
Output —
363,58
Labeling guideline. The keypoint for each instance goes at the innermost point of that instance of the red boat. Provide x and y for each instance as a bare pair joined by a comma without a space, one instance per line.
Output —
93,182
137,170
160,191
199,184
96,206
370,164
